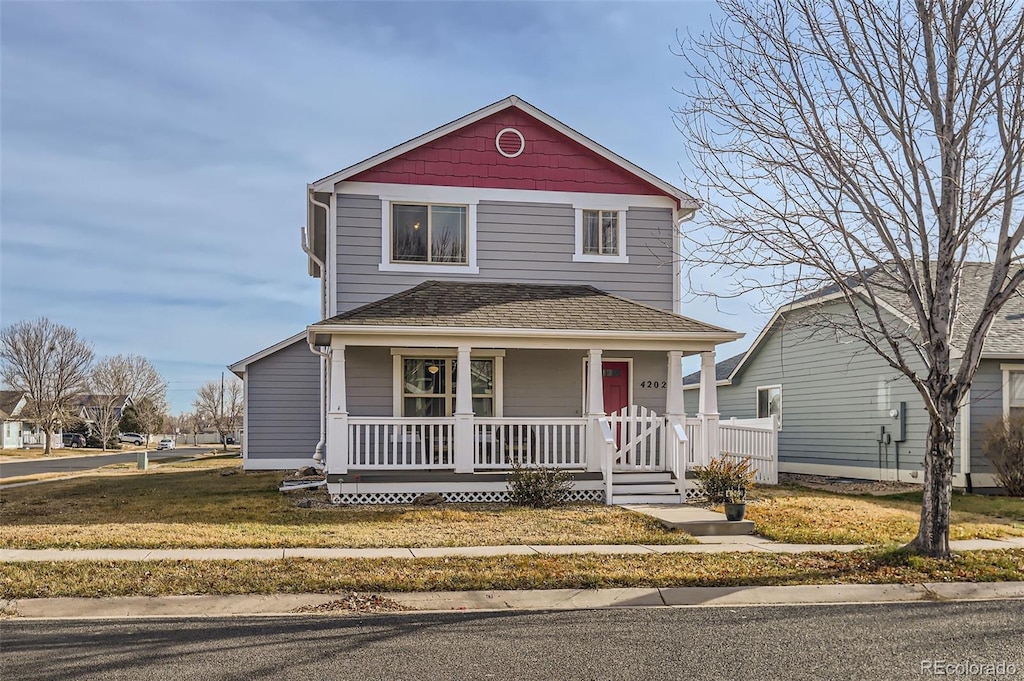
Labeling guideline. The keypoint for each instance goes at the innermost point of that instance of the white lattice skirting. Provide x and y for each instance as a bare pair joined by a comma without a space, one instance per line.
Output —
369,498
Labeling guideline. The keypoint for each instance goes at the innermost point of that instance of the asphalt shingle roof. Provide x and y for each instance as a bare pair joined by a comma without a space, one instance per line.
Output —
517,306
722,370
8,401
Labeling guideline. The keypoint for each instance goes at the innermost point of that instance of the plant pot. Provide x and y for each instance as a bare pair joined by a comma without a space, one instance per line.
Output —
735,512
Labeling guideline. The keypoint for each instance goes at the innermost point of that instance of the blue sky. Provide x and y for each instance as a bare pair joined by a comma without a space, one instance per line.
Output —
155,155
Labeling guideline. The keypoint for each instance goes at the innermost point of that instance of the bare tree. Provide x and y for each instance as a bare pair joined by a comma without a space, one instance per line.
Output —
50,363
869,149
118,377
219,405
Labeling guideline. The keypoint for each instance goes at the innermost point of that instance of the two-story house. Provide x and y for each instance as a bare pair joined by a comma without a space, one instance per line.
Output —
500,289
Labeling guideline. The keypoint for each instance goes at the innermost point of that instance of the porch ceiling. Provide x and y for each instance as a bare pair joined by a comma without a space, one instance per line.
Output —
519,311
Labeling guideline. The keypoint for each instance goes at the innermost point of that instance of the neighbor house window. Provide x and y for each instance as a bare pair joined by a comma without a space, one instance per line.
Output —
428,386
769,402
600,235
428,233
1014,392
600,232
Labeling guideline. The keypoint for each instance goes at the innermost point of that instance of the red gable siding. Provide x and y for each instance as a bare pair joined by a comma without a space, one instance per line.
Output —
468,158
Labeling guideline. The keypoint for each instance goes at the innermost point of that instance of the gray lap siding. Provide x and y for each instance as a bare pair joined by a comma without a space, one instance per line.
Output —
986,407
516,242
283,404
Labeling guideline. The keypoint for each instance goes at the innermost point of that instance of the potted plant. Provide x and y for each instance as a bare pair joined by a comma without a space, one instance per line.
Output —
726,481
735,503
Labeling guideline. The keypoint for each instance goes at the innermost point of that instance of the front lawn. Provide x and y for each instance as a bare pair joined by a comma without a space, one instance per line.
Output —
191,505
163,578
803,516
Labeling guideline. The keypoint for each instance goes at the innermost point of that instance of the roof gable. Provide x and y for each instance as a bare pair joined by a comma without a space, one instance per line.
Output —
465,153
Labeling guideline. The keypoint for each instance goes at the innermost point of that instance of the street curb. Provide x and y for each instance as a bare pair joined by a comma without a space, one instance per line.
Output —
132,607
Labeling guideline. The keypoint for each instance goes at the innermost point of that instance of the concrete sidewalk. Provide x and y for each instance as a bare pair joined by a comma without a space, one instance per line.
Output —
737,544
482,601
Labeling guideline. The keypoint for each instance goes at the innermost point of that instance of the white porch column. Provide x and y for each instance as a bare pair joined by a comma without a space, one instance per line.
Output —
674,396
337,412
463,412
708,408
595,410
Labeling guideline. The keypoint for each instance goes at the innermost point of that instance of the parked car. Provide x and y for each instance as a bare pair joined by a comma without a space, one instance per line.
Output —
229,440
133,438
166,443
74,440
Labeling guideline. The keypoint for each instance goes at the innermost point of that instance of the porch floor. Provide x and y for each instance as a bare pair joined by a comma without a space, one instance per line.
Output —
446,476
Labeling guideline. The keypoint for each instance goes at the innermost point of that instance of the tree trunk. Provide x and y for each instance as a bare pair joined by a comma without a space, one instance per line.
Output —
46,442
933,533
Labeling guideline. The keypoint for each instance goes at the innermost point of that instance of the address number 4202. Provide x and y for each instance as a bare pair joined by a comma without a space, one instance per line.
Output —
653,384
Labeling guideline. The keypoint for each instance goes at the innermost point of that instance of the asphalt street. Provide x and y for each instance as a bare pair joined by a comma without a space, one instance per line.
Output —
885,641
74,464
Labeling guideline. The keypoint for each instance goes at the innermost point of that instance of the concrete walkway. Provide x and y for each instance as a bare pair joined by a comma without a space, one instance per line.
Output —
554,599
737,544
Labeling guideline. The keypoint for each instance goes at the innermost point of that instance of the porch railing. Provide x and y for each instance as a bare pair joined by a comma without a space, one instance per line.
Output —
756,439
558,442
401,443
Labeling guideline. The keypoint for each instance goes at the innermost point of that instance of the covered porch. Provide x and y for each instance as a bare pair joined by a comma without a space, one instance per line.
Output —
453,409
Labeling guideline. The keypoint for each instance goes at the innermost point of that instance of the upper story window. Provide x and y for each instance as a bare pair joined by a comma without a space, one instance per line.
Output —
428,233
429,230
769,402
600,235
600,232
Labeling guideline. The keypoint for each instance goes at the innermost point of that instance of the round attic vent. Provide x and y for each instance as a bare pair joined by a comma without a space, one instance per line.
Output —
510,142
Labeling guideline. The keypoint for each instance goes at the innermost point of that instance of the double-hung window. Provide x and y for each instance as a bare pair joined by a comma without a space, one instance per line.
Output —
1013,390
769,402
429,233
428,386
600,235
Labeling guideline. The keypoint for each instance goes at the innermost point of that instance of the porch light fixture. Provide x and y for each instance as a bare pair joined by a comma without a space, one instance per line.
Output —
432,369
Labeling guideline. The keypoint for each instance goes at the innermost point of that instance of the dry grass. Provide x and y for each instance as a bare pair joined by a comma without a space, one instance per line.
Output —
194,506
97,579
805,516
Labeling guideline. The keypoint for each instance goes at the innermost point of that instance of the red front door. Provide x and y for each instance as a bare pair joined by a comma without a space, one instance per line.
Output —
615,380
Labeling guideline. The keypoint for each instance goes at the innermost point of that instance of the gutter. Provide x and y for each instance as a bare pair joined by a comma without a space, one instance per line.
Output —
318,450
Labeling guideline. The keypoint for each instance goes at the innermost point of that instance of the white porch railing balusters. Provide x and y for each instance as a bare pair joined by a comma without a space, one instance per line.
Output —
498,442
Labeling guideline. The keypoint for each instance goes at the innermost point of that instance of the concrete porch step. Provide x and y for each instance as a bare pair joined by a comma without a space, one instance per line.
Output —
653,488
699,522
624,499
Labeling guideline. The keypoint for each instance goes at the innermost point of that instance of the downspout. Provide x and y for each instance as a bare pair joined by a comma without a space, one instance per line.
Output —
318,451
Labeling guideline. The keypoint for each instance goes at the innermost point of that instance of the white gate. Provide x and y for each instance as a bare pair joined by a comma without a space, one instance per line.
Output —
640,439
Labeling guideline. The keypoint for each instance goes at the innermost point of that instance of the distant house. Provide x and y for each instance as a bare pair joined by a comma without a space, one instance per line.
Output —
89,408
12,402
844,412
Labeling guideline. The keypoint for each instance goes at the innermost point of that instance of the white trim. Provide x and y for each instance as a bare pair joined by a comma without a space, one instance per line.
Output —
467,195
328,183
586,361
695,386
446,352
425,198
241,364
1007,369
472,331
522,142
331,280
579,256
515,338
965,434
245,417
277,464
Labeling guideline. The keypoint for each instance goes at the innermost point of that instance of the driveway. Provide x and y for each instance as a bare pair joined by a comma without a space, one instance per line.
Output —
74,464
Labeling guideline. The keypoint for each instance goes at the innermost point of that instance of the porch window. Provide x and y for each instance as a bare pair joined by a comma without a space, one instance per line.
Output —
428,233
769,402
428,386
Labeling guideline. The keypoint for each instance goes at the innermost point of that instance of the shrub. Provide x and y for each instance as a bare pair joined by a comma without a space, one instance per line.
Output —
725,479
540,487
1003,445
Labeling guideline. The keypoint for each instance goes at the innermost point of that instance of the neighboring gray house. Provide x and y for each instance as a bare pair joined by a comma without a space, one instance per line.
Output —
475,282
12,402
844,412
